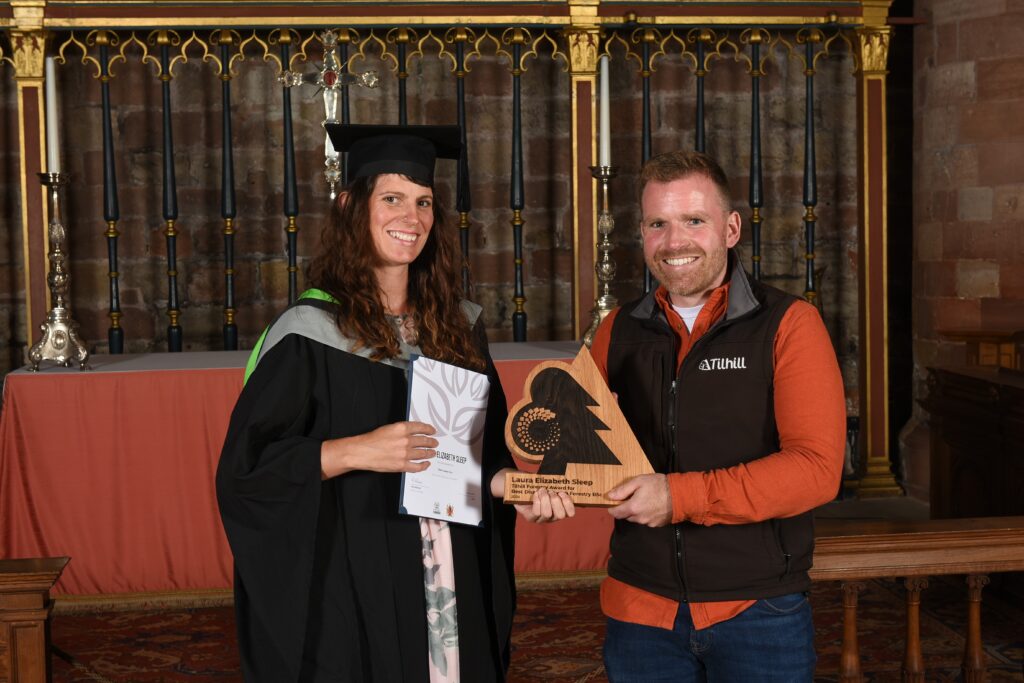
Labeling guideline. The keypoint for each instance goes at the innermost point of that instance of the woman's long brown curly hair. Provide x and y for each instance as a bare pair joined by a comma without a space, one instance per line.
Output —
344,268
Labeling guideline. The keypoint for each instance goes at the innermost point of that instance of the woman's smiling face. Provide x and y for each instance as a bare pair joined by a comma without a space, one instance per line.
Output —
401,216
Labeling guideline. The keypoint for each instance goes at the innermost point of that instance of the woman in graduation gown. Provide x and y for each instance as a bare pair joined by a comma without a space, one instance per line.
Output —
331,582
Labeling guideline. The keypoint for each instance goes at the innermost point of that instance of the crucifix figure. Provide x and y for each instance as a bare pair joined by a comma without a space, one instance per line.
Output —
330,79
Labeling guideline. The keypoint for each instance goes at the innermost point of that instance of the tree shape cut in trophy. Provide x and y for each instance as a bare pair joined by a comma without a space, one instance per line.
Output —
557,426
569,422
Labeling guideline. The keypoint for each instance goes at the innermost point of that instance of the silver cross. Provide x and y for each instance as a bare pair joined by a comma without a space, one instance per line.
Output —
330,80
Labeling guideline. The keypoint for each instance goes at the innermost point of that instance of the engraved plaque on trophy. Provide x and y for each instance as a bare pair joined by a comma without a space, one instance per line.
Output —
569,422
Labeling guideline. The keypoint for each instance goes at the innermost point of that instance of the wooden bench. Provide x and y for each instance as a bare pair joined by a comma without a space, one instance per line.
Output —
24,608
853,551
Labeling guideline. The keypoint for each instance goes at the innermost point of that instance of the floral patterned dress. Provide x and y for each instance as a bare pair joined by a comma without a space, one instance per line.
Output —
439,587
438,576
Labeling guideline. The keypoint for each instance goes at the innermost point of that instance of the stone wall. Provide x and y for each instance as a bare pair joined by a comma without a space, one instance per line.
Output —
968,185
262,278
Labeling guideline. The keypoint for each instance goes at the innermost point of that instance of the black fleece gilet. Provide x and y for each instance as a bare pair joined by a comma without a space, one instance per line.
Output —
718,411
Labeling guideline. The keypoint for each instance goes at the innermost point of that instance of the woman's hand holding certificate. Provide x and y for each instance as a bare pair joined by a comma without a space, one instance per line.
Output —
397,447
453,401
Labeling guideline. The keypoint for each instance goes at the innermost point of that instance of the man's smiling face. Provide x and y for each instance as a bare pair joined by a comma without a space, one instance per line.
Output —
687,229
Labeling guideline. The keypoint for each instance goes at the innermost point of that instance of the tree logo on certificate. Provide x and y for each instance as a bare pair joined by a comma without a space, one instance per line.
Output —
570,424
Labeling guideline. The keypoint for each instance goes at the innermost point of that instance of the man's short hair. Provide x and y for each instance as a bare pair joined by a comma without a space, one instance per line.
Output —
669,166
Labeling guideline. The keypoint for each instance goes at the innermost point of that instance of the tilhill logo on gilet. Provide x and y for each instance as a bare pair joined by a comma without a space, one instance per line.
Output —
737,363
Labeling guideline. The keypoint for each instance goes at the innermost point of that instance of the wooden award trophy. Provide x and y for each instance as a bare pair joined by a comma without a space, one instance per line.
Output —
569,422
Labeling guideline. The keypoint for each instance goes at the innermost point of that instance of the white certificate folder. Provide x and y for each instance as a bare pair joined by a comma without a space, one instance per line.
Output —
453,401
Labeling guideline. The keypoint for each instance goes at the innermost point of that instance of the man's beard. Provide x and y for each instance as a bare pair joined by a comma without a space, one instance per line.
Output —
694,280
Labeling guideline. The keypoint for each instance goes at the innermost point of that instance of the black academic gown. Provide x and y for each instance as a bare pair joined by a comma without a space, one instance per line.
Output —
328,575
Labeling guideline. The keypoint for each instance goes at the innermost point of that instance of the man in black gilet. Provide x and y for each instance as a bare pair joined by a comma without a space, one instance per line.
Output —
733,390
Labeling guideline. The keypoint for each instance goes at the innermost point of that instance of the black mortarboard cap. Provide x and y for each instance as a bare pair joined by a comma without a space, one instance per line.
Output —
409,150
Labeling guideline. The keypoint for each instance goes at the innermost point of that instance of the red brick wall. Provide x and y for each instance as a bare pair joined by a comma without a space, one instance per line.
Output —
968,177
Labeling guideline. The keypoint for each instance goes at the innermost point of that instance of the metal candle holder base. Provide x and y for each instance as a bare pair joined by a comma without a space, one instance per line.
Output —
60,342
605,265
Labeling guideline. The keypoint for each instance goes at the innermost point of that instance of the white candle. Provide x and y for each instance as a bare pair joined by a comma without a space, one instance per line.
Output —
52,138
604,135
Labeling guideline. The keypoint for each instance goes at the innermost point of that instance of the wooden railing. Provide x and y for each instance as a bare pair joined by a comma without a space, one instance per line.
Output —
853,552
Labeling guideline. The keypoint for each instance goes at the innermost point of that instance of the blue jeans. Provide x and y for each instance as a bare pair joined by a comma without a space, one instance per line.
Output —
773,640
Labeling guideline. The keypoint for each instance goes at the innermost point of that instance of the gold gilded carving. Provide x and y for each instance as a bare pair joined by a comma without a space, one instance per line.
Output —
144,56
459,35
437,41
403,36
814,37
240,54
379,46
236,51
182,56
583,13
486,38
583,50
656,48
760,37
285,36
28,14
827,50
86,59
171,39
528,48
611,39
222,37
874,50
160,39
875,12
164,37
713,44
101,38
303,52
28,53
556,51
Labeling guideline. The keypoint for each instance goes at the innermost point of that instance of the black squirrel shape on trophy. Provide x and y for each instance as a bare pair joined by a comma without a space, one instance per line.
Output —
559,426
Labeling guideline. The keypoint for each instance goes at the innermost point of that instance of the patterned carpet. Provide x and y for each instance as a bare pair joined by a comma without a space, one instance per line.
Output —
557,638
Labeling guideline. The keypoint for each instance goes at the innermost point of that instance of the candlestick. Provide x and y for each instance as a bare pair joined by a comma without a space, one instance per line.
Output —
52,137
604,136
605,266
60,342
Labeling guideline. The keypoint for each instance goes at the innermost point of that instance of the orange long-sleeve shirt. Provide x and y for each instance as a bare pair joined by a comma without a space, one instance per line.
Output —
810,416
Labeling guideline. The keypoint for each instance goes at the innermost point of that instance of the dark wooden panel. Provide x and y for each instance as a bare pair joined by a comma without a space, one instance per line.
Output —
977,445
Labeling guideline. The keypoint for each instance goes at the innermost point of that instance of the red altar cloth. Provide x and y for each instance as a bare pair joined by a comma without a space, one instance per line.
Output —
115,468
